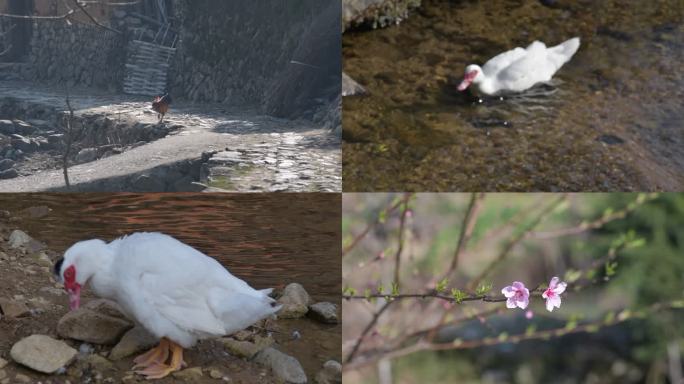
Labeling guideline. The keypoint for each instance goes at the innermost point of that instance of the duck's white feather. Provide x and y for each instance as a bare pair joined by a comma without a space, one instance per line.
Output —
520,69
176,291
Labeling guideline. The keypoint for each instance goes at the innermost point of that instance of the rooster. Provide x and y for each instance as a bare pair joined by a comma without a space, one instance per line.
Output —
161,105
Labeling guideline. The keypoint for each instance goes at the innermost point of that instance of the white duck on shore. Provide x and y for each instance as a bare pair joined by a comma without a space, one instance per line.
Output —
518,69
176,292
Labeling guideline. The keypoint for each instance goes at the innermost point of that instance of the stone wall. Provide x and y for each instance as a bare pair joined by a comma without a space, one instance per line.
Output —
238,51
76,54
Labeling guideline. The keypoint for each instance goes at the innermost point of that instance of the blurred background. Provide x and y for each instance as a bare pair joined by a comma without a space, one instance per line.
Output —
621,255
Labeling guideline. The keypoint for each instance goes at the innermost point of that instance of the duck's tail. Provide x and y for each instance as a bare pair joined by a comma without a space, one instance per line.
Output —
562,53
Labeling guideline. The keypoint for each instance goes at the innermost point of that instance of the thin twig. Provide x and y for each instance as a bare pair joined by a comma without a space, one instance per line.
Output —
368,328
368,228
516,239
400,247
598,223
466,230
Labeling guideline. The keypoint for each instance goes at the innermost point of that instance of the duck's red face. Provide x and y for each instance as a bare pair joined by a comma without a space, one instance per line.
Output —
468,79
72,287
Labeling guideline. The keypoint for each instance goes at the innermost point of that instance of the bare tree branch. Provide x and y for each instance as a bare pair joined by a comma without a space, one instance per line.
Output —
68,121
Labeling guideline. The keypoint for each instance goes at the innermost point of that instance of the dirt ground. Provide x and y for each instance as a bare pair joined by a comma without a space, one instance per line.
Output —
26,277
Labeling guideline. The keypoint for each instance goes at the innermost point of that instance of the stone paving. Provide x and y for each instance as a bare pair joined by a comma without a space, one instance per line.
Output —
251,151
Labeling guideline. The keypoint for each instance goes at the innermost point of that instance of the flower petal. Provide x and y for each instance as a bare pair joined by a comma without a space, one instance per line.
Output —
553,282
508,291
518,285
560,288
551,302
523,302
510,303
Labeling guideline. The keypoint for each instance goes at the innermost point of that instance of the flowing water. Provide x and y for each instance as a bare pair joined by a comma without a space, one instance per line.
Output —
269,240
612,118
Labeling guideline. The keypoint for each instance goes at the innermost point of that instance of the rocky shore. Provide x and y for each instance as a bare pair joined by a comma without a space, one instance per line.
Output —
42,342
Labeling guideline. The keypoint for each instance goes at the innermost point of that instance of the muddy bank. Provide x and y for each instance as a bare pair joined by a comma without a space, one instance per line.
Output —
611,120
33,304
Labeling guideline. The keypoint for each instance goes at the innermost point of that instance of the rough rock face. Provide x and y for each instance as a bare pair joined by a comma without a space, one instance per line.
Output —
330,374
377,13
99,322
96,47
42,353
295,301
134,341
285,367
314,79
324,311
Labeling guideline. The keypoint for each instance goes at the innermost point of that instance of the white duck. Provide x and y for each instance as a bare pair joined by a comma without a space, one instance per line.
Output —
519,69
176,292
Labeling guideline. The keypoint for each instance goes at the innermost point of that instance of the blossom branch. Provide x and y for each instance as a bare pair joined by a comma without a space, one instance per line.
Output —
400,246
598,223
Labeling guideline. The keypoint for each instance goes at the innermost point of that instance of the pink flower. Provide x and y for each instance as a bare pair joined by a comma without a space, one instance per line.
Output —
553,292
517,295
529,314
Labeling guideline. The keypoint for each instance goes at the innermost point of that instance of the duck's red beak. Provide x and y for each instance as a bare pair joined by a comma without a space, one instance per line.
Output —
74,296
467,80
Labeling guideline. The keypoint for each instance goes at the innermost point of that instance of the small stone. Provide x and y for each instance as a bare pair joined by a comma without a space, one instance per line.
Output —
8,174
134,341
215,374
14,309
284,367
19,378
324,311
330,374
87,155
295,301
97,322
97,362
246,349
188,374
3,363
18,239
3,375
42,353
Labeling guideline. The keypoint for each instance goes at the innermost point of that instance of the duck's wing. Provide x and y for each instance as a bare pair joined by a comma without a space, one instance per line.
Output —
182,300
502,60
529,69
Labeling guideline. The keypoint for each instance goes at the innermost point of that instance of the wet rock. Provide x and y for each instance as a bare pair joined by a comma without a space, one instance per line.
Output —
35,212
378,13
295,301
8,174
324,311
7,127
246,349
42,353
134,341
6,164
330,374
13,309
98,322
350,87
3,363
283,366
610,139
189,374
